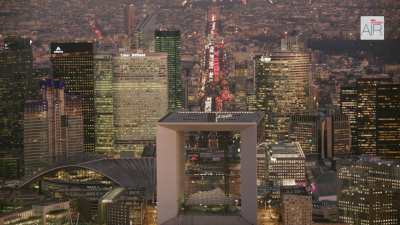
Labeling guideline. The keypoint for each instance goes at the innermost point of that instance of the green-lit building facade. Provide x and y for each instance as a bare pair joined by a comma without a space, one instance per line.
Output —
170,42
103,67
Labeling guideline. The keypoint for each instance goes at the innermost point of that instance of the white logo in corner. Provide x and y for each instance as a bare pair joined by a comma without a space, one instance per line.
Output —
372,28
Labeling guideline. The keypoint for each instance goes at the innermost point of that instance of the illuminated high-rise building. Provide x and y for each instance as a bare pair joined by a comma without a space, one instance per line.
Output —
170,42
348,107
73,63
140,90
39,213
242,85
131,25
103,70
285,164
369,191
73,126
124,207
335,136
15,83
53,127
366,113
281,88
388,120
296,209
261,168
305,129
360,103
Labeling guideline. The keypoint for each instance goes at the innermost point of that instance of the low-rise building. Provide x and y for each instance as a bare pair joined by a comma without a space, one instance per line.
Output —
44,214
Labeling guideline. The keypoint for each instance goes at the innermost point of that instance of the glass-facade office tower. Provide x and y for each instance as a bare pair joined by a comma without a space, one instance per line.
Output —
369,191
388,120
375,129
348,107
305,129
140,90
130,24
53,127
282,84
73,63
103,69
335,136
366,113
15,84
170,42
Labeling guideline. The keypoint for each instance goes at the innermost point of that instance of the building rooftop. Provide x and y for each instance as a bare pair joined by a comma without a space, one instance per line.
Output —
286,150
213,117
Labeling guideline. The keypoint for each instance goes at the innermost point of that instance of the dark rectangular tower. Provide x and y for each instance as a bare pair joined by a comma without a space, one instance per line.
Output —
15,85
73,62
170,42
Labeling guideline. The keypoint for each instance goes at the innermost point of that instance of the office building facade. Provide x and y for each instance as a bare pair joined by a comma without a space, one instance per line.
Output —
285,164
103,67
73,63
140,90
122,206
281,88
348,107
366,113
388,120
336,136
170,43
375,127
10,166
296,209
261,168
16,82
130,23
369,191
305,129
47,213
53,127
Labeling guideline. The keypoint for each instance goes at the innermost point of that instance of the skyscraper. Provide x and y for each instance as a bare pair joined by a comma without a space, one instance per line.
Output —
73,63
103,68
140,88
170,42
361,103
388,120
305,129
348,107
336,136
15,84
282,84
369,191
366,113
131,25
261,168
53,127
242,85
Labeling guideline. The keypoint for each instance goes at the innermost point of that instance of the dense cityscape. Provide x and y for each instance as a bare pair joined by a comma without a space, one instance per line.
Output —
199,112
